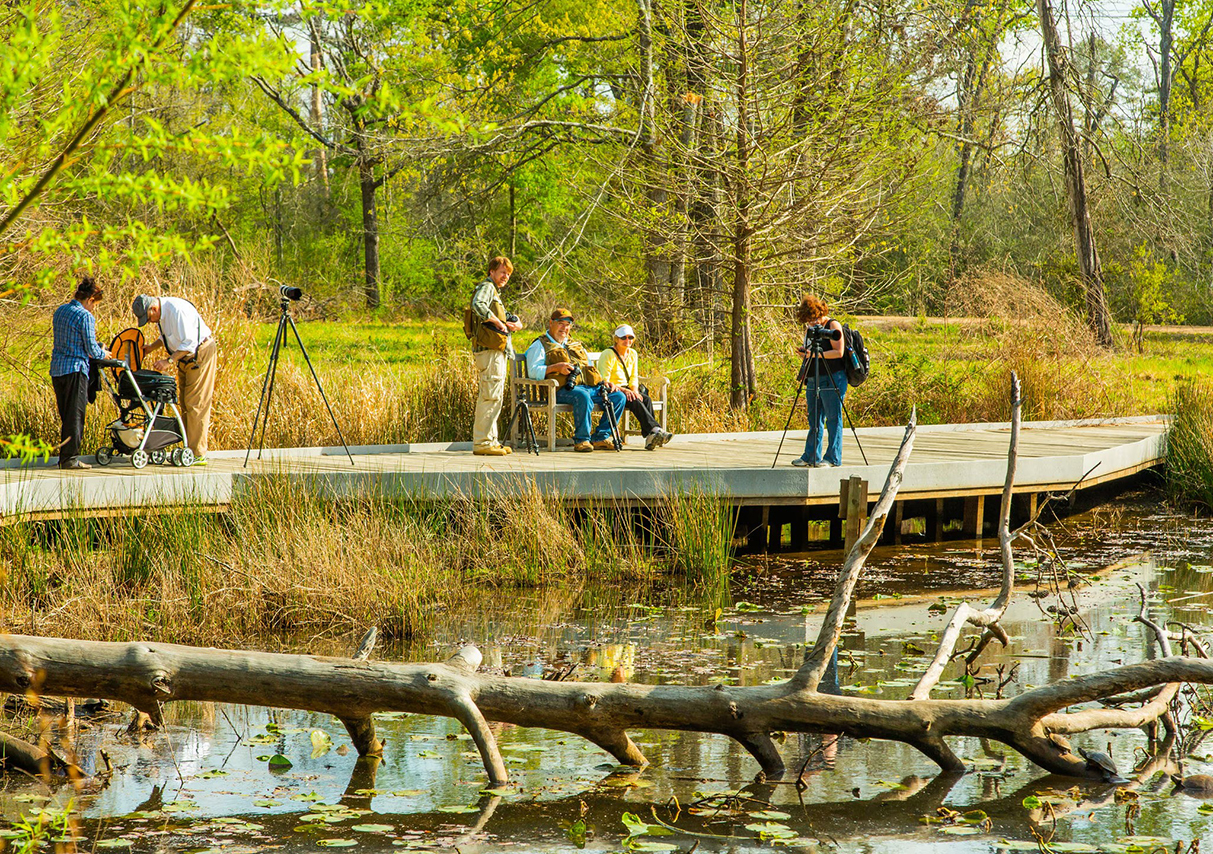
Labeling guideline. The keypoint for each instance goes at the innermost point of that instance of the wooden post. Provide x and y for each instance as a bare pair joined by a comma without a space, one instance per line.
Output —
800,529
974,518
856,492
774,530
899,510
935,521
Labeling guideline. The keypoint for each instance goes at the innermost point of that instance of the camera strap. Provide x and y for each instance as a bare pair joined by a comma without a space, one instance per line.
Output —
623,364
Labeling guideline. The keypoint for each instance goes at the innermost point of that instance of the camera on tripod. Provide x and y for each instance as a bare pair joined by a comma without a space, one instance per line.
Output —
571,381
293,294
822,334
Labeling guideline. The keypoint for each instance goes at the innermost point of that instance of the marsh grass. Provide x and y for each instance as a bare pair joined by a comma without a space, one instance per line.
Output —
1189,457
290,559
412,380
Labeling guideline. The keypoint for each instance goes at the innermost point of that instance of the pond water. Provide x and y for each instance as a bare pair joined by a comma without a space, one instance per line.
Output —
205,781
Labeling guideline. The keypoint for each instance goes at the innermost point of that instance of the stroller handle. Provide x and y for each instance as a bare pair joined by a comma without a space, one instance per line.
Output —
113,363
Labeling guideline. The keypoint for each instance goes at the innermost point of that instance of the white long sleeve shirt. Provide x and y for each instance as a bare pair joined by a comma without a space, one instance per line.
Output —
181,326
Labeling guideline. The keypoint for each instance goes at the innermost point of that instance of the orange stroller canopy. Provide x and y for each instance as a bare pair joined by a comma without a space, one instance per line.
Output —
128,347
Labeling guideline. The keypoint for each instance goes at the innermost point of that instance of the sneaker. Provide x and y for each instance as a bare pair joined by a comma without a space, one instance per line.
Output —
76,465
508,450
583,447
800,462
491,451
603,445
820,464
653,441
201,461
666,436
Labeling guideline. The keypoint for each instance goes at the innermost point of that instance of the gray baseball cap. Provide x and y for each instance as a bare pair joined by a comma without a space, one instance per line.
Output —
140,306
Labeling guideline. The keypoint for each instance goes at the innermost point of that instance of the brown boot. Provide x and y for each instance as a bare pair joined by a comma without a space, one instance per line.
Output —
583,446
491,451
604,445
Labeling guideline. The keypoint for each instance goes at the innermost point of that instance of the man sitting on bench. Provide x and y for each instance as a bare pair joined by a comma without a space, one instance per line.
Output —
557,357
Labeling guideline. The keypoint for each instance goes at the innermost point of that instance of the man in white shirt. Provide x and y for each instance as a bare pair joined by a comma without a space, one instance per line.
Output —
191,348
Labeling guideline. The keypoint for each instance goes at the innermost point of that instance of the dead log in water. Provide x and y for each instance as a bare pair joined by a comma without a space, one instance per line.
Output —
147,675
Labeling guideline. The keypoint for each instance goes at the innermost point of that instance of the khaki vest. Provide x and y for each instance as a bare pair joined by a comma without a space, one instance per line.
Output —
573,353
482,334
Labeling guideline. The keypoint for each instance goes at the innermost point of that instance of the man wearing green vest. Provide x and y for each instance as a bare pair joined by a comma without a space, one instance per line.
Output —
489,328
558,357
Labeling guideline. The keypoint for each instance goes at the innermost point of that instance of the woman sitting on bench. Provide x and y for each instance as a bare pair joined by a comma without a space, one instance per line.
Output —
621,366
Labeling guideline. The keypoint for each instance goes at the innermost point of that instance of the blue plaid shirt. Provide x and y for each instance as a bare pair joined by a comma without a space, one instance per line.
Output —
75,340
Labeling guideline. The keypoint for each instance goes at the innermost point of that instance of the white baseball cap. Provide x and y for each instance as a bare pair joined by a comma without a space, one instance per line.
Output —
624,331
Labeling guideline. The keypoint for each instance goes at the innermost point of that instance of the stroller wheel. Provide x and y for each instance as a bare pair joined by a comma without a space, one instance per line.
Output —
104,456
139,458
187,457
157,457
174,456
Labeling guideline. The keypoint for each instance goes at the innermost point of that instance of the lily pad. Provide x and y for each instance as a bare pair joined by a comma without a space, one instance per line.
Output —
280,762
373,828
337,843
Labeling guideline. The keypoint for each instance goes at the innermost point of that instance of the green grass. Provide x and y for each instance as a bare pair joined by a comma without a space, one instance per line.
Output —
413,380
1190,445
369,344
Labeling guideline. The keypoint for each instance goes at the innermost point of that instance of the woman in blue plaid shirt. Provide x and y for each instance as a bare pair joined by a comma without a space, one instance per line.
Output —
75,343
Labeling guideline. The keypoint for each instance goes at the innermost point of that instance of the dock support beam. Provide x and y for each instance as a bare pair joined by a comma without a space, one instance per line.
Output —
974,518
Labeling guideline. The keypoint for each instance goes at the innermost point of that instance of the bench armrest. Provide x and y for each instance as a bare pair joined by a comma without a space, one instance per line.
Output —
658,391
527,381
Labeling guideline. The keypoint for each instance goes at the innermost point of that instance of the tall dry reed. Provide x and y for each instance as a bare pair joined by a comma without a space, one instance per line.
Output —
289,559
1189,457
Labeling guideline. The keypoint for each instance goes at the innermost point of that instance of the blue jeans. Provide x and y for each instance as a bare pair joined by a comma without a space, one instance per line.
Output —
582,399
829,415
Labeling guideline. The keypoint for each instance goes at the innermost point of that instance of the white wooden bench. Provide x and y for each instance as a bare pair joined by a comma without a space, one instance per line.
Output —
540,396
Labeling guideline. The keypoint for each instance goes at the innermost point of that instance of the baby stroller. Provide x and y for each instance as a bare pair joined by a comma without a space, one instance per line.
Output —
148,421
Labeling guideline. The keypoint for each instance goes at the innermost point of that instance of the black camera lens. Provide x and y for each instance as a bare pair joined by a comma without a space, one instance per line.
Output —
511,318
823,333
290,293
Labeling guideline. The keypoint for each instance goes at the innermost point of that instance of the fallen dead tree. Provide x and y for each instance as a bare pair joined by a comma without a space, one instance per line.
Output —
147,675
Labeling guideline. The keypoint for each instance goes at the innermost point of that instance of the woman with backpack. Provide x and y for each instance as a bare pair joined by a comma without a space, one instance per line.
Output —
825,381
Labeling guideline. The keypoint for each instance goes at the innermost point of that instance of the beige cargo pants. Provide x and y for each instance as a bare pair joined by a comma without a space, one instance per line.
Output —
491,367
196,385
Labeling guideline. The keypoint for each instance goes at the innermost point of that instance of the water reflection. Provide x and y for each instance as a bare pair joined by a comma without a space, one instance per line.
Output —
206,777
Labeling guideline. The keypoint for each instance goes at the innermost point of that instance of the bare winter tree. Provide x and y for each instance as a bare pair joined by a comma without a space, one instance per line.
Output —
1090,269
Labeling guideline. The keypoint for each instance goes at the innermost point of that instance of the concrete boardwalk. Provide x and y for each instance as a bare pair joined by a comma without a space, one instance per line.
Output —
948,461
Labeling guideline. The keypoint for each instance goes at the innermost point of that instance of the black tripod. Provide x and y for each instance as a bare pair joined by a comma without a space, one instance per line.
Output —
522,415
267,385
604,397
814,350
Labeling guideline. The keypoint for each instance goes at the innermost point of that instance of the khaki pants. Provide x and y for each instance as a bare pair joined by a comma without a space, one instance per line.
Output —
491,368
196,384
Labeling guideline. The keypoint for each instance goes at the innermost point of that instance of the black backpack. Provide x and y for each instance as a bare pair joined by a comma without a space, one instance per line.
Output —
856,358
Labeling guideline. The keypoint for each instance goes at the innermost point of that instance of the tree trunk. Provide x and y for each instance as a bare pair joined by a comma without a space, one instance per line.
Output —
1165,19
1090,271
658,325
320,153
743,385
370,231
513,222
